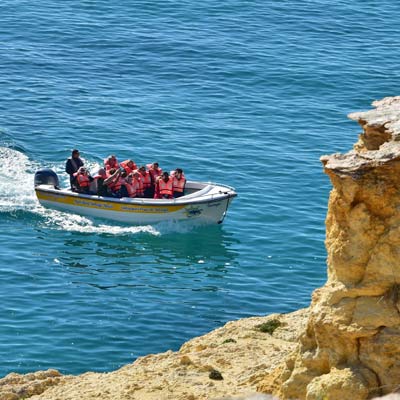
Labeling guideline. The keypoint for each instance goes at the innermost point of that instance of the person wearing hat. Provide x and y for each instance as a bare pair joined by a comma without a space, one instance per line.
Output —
72,166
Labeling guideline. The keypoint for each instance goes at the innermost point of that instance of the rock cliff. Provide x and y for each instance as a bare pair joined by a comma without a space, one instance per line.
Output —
229,361
345,346
351,347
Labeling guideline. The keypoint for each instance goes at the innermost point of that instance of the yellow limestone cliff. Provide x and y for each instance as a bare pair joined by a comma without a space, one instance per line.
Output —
351,347
345,346
229,361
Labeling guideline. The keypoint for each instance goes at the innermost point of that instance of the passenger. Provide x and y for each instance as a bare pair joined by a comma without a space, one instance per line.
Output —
129,188
139,183
116,183
164,187
111,162
123,191
102,189
129,166
133,185
83,180
155,172
148,186
179,182
72,165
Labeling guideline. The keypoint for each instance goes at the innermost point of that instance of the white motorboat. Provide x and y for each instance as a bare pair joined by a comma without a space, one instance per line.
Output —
204,202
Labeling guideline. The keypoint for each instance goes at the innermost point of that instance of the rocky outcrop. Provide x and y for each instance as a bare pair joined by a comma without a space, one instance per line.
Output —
227,363
351,347
16,386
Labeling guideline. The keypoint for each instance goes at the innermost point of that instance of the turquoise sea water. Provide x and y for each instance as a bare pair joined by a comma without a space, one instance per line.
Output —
244,93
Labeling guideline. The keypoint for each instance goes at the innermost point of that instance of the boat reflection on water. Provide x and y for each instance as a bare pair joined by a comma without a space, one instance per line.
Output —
204,248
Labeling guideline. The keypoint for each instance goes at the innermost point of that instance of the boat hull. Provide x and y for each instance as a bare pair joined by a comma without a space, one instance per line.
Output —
209,209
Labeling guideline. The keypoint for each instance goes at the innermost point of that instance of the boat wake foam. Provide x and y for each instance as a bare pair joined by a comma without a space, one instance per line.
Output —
16,181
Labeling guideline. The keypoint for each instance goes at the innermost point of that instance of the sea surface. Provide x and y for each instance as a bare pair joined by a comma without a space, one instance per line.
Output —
246,93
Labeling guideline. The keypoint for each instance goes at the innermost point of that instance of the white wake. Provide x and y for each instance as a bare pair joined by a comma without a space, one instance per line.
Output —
17,193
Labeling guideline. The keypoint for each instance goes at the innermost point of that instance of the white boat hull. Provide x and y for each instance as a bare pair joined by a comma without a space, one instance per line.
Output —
208,206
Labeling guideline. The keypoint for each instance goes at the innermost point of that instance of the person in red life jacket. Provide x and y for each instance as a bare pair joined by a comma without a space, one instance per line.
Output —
72,165
179,182
116,183
83,180
137,181
155,172
148,186
129,166
131,190
164,187
133,185
112,176
111,162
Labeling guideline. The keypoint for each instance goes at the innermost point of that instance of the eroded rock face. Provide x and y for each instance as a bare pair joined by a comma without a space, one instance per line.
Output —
16,386
351,347
241,352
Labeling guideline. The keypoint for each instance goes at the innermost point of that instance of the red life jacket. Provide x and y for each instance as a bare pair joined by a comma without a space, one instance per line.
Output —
155,173
140,187
108,166
179,184
83,180
115,186
132,188
165,188
124,164
145,179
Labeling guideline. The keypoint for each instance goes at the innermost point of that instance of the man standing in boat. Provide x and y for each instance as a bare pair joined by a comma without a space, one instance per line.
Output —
72,166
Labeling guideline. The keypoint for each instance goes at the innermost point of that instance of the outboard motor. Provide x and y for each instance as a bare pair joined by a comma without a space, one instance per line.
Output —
47,176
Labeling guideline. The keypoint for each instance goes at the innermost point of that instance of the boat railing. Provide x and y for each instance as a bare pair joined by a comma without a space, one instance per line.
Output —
222,185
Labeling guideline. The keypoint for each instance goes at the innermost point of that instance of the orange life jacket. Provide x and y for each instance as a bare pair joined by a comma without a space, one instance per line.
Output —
165,188
115,186
108,165
132,188
83,180
179,184
155,173
140,187
124,164
145,179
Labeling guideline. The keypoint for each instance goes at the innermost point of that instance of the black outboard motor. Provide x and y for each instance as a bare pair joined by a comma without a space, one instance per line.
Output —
47,176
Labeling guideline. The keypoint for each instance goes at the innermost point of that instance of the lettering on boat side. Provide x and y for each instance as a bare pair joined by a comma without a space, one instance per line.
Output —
214,204
93,204
145,209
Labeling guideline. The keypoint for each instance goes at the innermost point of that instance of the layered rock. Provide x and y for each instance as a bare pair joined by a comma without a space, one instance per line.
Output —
227,363
351,347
